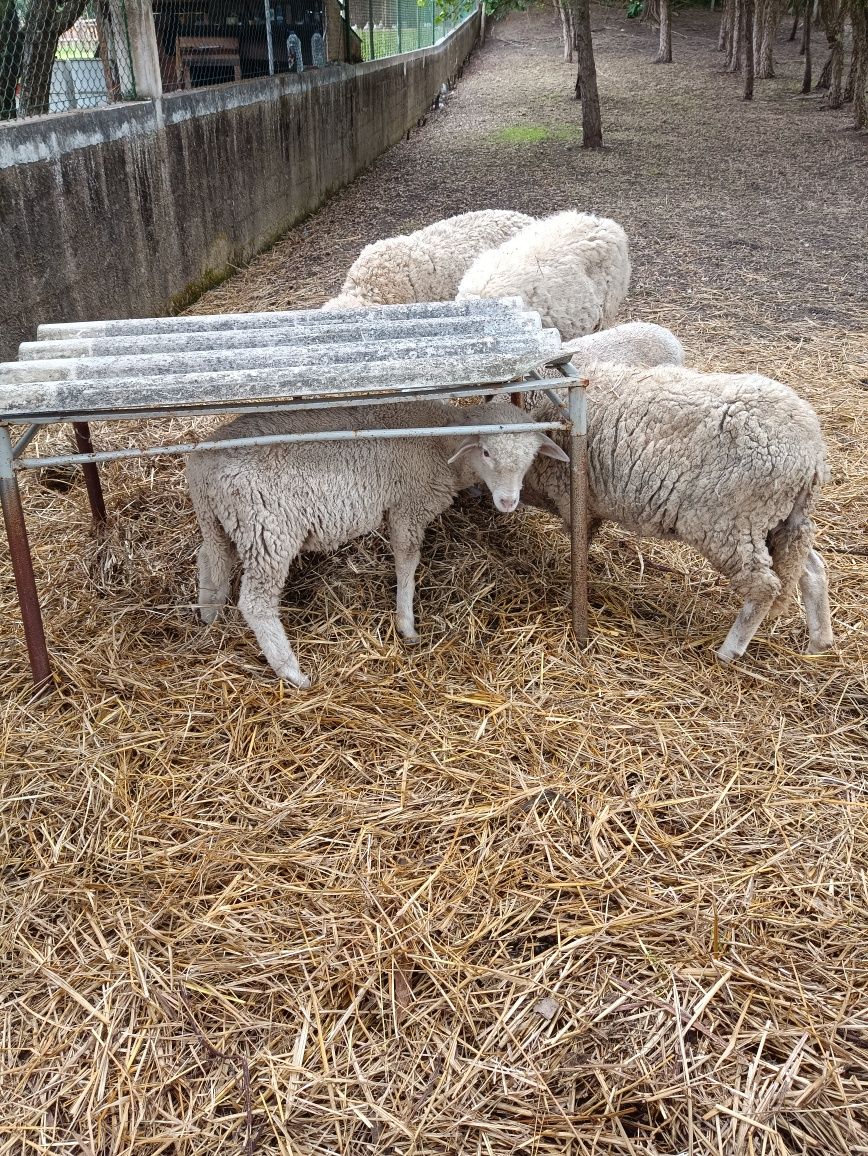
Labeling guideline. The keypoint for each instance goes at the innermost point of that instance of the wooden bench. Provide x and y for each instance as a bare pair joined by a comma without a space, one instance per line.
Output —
109,371
220,51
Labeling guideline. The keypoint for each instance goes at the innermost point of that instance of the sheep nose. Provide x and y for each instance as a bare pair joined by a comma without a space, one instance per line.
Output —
506,503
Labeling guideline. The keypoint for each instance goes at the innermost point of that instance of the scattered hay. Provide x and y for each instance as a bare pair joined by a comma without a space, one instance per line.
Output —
487,896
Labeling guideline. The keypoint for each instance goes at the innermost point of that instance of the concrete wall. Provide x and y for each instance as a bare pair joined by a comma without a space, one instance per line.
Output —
133,210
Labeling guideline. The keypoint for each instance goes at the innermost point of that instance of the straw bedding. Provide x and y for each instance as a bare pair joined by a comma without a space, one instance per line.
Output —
490,895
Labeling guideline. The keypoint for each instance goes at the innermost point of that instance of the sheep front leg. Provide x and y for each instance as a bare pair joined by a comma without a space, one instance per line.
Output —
258,601
406,538
814,589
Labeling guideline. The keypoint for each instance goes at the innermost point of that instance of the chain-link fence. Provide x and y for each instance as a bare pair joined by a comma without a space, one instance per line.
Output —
204,42
387,27
62,54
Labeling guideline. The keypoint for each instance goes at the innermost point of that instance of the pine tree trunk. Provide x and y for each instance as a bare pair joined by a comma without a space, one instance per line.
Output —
835,95
724,33
565,30
46,21
806,78
734,62
765,61
860,51
795,27
850,86
592,127
10,58
664,51
749,11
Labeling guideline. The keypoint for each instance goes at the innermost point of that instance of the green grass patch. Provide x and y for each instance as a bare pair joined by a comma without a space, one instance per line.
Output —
520,134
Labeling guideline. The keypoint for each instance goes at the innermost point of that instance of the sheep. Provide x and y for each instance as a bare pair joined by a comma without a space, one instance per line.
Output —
572,268
269,503
426,265
730,464
633,343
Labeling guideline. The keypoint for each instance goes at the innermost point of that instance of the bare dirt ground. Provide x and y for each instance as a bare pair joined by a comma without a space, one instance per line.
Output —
490,896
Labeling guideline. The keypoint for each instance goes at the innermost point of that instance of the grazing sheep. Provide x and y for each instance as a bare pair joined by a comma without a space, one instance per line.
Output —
273,502
634,343
572,268
426,265
730,464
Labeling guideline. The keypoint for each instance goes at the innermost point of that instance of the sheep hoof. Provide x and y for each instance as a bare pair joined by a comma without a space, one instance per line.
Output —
295,678
820,647
725,655
411,638
209,614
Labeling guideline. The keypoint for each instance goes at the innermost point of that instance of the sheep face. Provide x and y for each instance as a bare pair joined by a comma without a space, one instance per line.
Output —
502,460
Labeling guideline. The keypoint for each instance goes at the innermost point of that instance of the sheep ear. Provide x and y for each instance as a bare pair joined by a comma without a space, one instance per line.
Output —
473,444
550,449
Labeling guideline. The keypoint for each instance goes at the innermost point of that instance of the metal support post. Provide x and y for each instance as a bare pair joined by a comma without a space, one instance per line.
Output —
84,445
22,564
398,19
579,506
371,27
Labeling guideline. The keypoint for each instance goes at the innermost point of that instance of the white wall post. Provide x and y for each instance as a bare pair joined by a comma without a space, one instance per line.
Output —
144,57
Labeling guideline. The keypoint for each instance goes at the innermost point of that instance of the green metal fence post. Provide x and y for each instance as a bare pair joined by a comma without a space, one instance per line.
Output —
398,13
433,22
371,27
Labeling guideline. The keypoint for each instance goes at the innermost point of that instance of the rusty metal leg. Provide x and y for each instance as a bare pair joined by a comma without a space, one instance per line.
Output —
517,399
22,565
579,508
91,474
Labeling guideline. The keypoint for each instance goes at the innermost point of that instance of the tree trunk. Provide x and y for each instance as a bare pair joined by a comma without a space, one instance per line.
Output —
795,27
726,27
734,62
664,51
835,96
806,25
10,57
592,128
765,61
749,33
46,21
565,30
850,86
860,52
806,79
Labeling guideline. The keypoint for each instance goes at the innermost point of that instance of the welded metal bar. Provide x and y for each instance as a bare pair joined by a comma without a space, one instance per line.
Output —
553,397
579,507
288,438
22,563
25,440
84,445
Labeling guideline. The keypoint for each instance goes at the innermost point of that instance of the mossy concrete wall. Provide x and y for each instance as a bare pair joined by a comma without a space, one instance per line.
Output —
133,210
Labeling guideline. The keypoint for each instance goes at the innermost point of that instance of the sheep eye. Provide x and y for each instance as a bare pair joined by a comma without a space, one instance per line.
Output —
485,453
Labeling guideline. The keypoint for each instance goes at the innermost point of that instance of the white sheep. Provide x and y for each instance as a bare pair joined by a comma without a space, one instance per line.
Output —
572,268
730,464
267,504
633,343
426,265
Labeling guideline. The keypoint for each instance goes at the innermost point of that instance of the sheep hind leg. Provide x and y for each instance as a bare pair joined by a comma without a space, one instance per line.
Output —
761,587
406,540
814,589
258,601
215,562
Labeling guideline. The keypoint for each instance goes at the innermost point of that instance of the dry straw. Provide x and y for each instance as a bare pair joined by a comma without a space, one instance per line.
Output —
488,896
